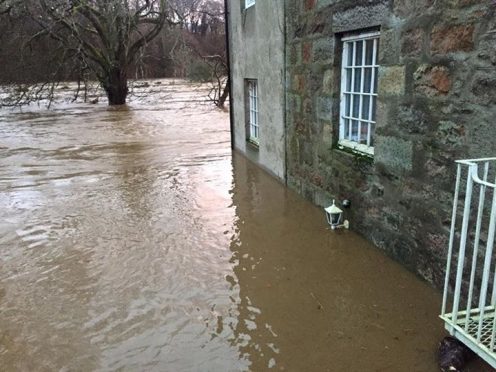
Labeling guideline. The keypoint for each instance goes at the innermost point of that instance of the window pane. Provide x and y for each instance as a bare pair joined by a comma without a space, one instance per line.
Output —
369,52
372,131
359,51
359,90
363,133
354,131
368,80
365,107
356,105
376,41
374,107
348,79
375,80
350,54
346,128
358,80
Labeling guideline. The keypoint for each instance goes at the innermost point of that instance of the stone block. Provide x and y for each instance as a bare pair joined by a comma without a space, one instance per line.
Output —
395,154
294,183
324,108
483,88
325,3
323,50
318,24
382,115
310,4
316,179
295,54
294,103
307,106
407,8
323,199
463,3
389,49
449,38
306,152
307,52
432,80
450,133
412,119
391,80
360,17
326,136
298,83
412,42
301,127
327,81
486,50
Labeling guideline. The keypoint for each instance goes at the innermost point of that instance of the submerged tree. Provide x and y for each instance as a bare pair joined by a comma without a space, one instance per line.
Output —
105,36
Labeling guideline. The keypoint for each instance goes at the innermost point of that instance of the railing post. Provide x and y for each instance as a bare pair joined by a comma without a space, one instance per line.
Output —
487,265
463,243
482,196
451,239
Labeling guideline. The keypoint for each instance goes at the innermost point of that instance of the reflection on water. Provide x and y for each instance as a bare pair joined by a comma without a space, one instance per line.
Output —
131,239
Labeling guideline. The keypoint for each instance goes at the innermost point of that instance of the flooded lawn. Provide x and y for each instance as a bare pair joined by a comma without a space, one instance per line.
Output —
133,239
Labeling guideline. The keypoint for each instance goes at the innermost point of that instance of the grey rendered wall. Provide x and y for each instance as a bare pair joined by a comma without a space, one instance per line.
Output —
257,52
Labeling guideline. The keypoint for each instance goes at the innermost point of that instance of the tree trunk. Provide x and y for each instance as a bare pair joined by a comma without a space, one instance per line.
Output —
223,96
115,86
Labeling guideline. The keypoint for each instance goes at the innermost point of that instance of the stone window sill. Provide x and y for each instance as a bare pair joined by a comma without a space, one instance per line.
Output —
355,148
253,144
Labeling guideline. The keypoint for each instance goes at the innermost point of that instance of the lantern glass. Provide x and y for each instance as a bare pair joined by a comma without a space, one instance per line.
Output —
335,219
334,215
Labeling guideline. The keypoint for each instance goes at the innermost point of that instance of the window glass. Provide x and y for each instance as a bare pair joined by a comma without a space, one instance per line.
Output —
253,110
359,91
249,3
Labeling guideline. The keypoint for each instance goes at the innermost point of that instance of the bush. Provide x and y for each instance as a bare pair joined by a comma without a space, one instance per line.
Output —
199,71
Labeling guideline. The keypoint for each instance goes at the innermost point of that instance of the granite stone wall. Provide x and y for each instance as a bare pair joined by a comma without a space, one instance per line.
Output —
437,103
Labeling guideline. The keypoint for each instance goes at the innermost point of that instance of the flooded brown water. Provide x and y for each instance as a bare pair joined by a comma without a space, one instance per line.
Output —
133,240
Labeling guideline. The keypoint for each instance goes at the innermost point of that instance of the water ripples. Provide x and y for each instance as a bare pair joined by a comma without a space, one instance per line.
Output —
132,239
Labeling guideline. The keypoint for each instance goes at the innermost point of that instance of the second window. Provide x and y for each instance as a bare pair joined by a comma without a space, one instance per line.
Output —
359,92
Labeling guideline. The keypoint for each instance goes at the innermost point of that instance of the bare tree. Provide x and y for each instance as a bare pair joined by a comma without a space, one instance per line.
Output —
104,36
219,90
203,37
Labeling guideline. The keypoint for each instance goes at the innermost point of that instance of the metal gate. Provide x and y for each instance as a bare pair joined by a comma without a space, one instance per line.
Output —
469,298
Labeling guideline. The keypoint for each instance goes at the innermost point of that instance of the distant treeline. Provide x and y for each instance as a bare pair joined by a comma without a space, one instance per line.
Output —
194,31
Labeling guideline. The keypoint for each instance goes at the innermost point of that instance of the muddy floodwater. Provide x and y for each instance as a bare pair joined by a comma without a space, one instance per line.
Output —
132,239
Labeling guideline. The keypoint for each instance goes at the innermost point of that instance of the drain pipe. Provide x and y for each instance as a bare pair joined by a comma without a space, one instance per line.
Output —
285,84
229,76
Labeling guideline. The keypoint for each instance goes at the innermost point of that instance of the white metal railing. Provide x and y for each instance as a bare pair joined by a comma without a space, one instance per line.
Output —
472,317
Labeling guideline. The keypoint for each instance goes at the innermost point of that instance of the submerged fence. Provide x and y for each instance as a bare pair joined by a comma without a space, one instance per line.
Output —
469,298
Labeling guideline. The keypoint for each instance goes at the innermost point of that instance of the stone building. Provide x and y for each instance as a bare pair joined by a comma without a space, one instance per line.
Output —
372,101
258,76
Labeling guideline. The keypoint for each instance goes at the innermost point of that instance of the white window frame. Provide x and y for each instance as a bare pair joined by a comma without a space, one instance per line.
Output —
249,3
364,122
253,123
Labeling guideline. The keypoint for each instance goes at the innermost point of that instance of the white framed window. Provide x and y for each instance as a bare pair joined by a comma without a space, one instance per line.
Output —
249,3
253,124
359,72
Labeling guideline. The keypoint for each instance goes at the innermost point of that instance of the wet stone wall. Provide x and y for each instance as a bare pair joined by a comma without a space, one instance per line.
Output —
436,104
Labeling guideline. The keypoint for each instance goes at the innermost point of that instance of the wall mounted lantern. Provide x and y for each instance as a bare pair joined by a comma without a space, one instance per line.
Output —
335,217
